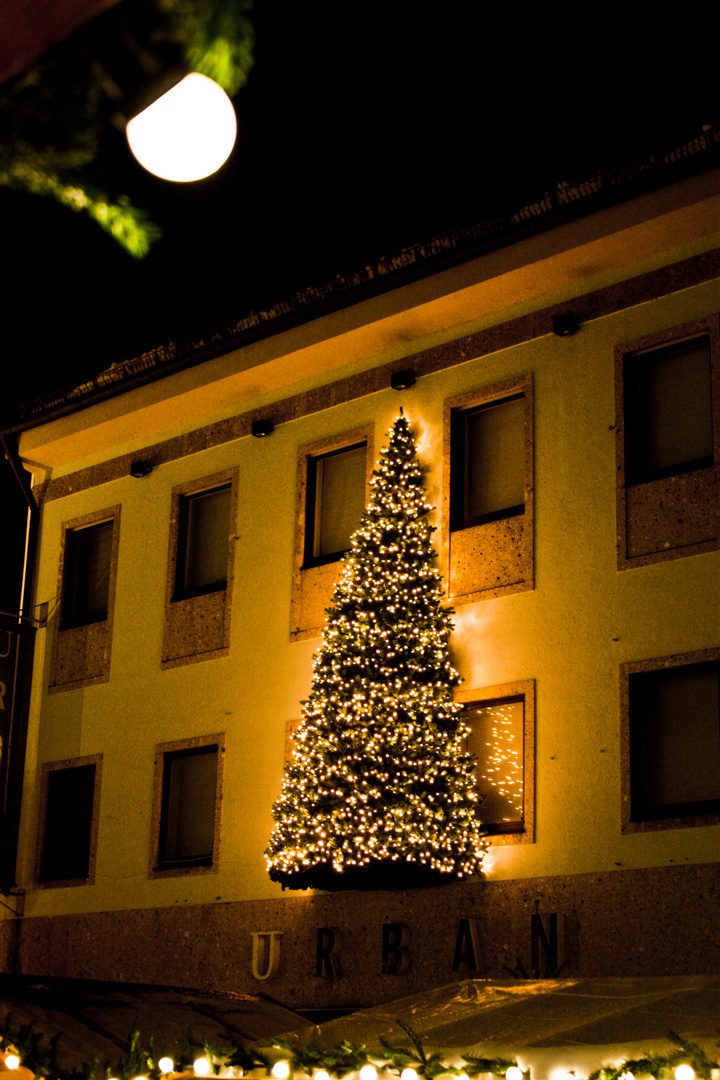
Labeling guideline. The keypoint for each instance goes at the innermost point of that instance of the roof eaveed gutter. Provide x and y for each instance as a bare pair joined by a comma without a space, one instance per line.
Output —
569,201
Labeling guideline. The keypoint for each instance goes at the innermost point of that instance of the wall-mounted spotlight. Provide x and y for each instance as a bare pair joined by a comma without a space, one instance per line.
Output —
140,468
402,380
565,325
261,428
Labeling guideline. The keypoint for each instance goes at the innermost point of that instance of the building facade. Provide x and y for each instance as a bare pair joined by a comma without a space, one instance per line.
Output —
565,394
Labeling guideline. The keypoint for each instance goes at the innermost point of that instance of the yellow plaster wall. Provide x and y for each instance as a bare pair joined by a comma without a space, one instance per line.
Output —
570,634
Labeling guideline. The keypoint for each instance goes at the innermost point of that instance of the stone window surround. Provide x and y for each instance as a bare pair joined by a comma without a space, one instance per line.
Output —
496,558
197,628
81,654
677,516
312,586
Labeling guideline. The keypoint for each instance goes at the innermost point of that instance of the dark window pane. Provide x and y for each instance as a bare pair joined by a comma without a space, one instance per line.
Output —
675,741
68,823
488,462
188,806
87,574
335,501
668,411
497,737
203,541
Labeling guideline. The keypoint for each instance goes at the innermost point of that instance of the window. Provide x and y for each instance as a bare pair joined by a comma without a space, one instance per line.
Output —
488,462
82,633
496,743
199,587
502,735
668,411
335,502
86,588
332,484
69,809
204,530
667,390
673,719
487,536
188,787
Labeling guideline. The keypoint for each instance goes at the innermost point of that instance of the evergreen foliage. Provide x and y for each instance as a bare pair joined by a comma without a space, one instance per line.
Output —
381,792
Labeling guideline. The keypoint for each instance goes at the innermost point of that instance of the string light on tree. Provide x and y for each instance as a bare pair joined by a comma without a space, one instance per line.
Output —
381,791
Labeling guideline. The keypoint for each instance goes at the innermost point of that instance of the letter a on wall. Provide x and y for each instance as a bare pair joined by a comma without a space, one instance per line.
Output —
466,953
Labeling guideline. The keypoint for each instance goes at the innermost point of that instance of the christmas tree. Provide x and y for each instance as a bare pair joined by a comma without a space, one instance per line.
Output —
381,792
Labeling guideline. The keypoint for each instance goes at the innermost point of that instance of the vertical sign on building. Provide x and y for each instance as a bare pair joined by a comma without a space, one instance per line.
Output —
16,648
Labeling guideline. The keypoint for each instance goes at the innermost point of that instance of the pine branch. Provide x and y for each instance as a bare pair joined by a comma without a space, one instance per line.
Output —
129,226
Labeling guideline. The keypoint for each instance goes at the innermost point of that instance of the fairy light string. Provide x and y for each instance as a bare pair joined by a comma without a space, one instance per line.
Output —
23,1046
381,782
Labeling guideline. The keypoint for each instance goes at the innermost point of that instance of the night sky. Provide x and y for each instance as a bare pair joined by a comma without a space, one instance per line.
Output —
362,128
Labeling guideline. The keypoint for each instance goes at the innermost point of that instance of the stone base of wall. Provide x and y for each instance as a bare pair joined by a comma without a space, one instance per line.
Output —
374,947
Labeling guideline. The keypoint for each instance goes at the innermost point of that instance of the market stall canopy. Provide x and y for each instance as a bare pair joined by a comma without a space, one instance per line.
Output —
96,1019
552,1026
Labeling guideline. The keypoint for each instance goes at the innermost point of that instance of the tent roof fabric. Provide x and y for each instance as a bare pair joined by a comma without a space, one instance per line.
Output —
549,1024
95,1019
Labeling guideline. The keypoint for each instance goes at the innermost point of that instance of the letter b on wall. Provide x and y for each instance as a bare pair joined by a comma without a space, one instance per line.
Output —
395,953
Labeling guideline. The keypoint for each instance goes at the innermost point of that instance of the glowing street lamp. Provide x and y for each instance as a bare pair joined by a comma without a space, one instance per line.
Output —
186,134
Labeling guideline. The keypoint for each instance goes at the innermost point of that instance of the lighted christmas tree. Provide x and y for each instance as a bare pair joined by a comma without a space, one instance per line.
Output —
381,792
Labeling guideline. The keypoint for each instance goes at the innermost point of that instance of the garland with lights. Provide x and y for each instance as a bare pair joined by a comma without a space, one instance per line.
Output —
381,790
23,1046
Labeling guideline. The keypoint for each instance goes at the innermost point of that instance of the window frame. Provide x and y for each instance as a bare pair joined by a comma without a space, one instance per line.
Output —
48,768
161,867
523,690
458,467
311,505
633,362
198,621
73,546
666,513
180,591
677,815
